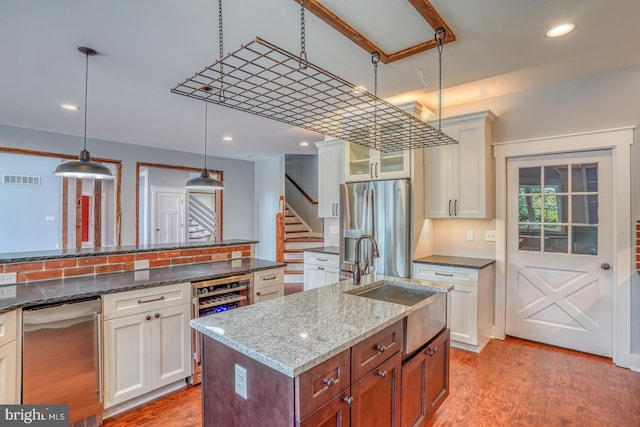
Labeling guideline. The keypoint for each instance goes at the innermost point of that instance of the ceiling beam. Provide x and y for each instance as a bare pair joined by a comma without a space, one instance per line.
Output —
423,7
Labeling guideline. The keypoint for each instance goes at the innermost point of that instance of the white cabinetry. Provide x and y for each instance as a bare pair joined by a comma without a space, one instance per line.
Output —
9,393
459,177
320,269
330,176
147,340
268,284
471,301
365,164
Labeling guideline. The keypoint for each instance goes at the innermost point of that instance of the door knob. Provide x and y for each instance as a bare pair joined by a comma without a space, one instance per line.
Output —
605,266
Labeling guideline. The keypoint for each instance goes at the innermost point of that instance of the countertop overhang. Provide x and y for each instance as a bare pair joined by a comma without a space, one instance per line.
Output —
295,333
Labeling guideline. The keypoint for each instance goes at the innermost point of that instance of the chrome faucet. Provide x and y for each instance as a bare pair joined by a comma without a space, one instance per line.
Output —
357,274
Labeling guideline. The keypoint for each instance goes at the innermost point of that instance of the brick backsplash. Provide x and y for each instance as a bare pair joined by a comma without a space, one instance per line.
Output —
99,264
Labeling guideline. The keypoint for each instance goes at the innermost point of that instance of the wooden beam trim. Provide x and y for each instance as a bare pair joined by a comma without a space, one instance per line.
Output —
433,18
65,213
97,213
78,213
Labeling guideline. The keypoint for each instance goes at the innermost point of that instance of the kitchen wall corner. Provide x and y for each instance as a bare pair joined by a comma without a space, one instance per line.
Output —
450,237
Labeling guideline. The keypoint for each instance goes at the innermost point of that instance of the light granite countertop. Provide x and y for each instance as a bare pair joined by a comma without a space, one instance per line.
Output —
295,333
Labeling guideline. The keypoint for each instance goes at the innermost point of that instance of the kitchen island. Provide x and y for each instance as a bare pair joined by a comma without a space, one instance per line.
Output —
312,357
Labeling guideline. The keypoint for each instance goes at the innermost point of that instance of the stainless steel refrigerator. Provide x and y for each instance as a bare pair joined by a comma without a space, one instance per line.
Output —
382,209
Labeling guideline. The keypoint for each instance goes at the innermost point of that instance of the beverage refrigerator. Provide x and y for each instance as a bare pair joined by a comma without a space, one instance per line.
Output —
382,209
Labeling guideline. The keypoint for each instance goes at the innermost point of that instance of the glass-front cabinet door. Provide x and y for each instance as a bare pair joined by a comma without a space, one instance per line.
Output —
365,164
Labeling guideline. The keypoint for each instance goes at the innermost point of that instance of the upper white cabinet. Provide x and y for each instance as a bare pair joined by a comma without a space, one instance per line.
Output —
330,176
459,178
365,164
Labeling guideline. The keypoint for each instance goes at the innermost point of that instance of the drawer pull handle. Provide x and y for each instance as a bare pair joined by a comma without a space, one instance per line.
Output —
269,278
348,399
322,259
328,381
444,274
432,351
383,374
147,317
151,300
381,348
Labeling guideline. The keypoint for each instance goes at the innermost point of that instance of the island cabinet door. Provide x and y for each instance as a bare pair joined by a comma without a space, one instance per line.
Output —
336,413
437,358
376,397
413,407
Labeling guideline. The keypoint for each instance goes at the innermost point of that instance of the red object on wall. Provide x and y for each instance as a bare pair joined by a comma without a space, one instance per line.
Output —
85,218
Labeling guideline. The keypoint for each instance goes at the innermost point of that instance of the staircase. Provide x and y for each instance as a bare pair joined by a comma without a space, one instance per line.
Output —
297,238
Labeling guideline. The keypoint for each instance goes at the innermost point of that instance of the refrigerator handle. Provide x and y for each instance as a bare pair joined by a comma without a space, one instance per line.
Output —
374,227
100,374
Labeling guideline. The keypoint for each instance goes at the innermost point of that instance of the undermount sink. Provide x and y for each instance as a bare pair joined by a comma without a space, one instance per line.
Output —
429,314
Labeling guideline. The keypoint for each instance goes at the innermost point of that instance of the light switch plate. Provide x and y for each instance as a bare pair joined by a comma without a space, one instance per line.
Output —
469,235
8,278
236,254
141,265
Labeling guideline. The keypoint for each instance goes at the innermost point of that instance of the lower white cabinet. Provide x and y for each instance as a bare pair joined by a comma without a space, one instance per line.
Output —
320,269
149,349
267,284
470,302
9,393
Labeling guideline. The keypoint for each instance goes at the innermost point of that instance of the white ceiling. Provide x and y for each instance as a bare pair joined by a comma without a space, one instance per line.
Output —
148,46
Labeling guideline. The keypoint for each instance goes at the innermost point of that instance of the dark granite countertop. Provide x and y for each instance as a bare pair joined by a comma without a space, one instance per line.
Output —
456,261
68,289
6,258
331,250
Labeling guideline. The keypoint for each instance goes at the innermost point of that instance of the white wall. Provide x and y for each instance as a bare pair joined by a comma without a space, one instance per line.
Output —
269,186
605,101
238,200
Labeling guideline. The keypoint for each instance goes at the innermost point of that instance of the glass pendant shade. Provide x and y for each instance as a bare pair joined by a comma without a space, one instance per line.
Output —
204,182
84,167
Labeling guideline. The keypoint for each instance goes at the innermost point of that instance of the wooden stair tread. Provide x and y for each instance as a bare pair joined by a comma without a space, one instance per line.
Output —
304,239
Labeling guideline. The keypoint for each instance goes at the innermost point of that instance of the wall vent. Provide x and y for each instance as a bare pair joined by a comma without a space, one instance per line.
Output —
20,179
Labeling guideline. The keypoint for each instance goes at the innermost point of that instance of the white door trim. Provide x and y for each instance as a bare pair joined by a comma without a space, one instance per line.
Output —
619,141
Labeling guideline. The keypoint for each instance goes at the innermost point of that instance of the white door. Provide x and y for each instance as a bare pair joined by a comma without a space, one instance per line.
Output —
168,216
560,250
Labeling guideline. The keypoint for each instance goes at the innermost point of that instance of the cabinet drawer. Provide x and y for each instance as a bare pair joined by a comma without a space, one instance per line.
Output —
371,352
268,277
322,383
444,274
266,293
321,259
139,301
8,326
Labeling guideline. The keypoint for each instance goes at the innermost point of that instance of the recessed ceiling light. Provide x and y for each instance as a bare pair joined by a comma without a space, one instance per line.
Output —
227,138
70,107
304,144
561,30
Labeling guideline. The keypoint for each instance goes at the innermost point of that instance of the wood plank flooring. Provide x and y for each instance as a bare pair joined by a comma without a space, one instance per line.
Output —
511,383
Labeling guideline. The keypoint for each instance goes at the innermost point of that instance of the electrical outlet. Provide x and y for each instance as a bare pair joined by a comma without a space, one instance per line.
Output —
490,235
8,278
236,254
241,381
469,235
141,265
8,292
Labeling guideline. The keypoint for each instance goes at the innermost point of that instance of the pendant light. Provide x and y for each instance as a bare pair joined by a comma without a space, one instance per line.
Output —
204,182
84,167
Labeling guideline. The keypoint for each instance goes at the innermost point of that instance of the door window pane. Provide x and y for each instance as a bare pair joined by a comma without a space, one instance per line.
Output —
556,239
530,208
584,240
529,239
555,209
530,180
556,178
584,178
585,209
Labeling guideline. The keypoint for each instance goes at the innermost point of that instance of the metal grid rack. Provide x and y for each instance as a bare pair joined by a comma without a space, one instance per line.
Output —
263,79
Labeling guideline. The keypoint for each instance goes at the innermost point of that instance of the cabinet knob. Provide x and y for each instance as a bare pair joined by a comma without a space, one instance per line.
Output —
147,317
383,374
258,293
348,399
157,315
605,266
381,348
432,351
328,381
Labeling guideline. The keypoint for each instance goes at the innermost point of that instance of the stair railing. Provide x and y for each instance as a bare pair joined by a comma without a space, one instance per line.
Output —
304,193
280,232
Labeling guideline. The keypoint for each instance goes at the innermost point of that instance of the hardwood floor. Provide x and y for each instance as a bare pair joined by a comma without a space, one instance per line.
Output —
511,383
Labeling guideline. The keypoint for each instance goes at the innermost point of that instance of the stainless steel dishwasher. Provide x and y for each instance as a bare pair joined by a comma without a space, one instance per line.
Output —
61,358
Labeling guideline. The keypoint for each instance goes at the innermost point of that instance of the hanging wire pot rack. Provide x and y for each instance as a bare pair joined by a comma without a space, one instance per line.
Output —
263,79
